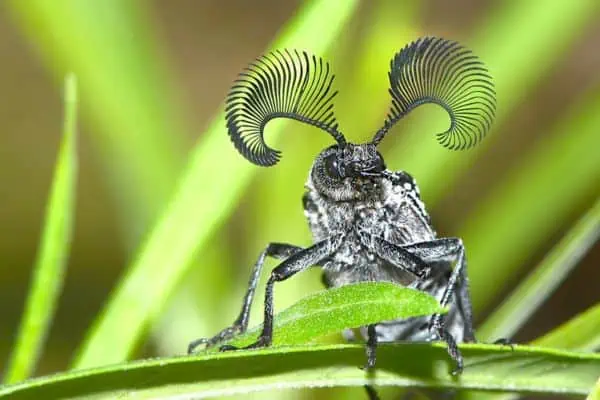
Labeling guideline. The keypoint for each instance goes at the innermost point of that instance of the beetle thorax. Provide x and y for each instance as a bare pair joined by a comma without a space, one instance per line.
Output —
391,210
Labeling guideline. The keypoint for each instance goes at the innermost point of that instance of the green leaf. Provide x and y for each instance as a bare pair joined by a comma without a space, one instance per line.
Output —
487,367
349,306
539,285
53,253
200,204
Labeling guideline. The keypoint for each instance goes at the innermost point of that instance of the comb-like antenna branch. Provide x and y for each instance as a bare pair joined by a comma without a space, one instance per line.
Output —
279,85
434,70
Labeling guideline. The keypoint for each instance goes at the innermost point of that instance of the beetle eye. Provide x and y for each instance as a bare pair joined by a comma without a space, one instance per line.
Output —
332,167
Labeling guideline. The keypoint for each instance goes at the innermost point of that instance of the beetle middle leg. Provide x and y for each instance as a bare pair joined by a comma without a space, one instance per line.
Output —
419,259
451,250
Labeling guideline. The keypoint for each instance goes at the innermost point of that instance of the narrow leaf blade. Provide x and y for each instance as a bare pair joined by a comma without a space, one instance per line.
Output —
53,253
487,367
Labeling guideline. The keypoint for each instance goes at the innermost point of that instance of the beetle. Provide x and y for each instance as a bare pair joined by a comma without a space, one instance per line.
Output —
368,223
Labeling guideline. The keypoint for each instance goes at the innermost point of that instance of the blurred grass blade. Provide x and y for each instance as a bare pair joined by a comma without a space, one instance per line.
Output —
534,199
520,45
53,253
541,283
581,333
129,98
350,306
487,367
201,202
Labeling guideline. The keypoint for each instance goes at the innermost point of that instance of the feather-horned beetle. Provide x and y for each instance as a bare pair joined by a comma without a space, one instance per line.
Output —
368,223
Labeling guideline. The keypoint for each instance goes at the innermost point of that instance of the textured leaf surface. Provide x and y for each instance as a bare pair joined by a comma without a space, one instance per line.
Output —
350,306
487,367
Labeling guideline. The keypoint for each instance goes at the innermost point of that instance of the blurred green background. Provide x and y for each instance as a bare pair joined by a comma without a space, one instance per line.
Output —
153,75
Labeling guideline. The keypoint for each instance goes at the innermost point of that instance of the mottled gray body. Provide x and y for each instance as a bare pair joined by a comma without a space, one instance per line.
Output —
395,212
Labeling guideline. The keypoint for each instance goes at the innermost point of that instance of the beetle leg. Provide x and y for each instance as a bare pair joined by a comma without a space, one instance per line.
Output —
297,262
280,251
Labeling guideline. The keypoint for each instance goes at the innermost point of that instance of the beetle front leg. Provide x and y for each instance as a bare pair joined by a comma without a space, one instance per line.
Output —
279,251
299,261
